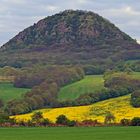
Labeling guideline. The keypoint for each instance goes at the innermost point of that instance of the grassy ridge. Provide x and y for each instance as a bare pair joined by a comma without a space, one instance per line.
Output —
8,91
87,133
89,84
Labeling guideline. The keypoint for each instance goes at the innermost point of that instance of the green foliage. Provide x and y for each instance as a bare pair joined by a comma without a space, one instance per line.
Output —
45,83
4,118
109,118
125,122
135,121
124,83
1,103
133,65
63,120
37,116
93,70
135,98
117,80
9,71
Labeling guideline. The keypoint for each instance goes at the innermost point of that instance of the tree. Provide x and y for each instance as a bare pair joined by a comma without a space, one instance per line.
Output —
1,103
5,118
62,119
109,118
135,98
125,122
128,70
37,117
135,121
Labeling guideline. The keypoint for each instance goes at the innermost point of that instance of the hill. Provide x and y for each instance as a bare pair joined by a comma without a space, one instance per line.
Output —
70,37
120,107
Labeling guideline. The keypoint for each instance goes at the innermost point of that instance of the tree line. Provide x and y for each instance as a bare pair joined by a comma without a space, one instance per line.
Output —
37,120
45,84
116,84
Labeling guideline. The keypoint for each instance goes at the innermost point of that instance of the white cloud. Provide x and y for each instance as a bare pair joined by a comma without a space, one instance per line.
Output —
138,41
129,10
51,8
82,1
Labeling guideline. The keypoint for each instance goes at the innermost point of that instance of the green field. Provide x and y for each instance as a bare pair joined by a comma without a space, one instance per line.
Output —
89,84
8,91
132,61
81,133
136,75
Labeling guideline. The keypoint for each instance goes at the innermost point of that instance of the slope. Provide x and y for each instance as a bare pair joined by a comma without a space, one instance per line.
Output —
70,37
120,107
9,92
89,84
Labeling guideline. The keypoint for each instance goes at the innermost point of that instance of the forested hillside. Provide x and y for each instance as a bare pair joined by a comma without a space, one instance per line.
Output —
70,37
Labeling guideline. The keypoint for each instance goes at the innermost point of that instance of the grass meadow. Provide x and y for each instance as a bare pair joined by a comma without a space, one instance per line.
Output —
89,84
76,133
8,91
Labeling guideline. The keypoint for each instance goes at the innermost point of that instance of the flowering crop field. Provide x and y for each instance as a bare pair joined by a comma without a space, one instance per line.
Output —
120,107
76,133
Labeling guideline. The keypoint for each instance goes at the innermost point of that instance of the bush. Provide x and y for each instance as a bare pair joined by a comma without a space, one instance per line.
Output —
4,118
1,103
135,98
135,121
62,119
37,117
92,70
71,123
125,122
45,122
109,118
45,83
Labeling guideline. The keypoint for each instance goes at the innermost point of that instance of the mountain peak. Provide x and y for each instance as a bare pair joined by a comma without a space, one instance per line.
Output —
70,37
70,27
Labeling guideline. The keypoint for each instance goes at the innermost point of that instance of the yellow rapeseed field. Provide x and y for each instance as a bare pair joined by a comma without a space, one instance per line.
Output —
120,107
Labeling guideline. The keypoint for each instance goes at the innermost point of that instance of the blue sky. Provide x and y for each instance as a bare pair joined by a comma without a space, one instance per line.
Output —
16,15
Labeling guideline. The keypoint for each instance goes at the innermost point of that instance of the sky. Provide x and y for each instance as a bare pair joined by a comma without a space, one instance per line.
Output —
16,15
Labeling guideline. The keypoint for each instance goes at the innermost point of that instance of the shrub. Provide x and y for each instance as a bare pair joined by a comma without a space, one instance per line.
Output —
1,103
125,122
135,121
71,123
62,119
37,117
109,118
45,122
135,98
